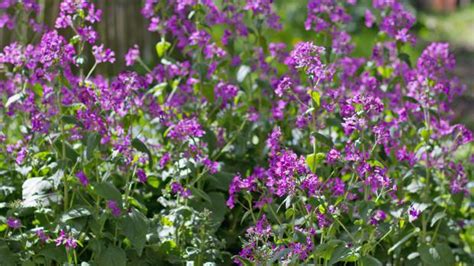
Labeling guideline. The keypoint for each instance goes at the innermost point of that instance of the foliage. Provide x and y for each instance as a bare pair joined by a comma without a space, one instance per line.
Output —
233,148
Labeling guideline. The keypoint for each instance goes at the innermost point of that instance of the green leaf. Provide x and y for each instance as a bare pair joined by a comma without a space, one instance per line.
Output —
70,153
140,146
440,255
70,119
3,227
404,239
162,47
339,254
108,191
369,261
385,71
153,181
201,194
316,96
135,228
54,253
377,163
7,256
313,160
438,216
93,140
218,206
326,250
405,58
113,256
410,99
75,213
323,139
429,255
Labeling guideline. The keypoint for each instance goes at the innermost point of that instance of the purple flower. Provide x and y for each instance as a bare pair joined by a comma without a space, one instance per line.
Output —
312,184
154,24
225,92
165,159
114,208
185,129
338,186
13,223
212,166
199,38
378,217
369,18
459,181
284,84
21,155
41,235
261,229
307,56
88,34
273,141
332,156
82,178
177,188
65,239
101,55
141,176
278,110
413,213
132,55
323,221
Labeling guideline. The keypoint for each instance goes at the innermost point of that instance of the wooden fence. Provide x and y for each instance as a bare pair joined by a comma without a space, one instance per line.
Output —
121,27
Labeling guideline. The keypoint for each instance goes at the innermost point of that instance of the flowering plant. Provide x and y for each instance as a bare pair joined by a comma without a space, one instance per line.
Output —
234,148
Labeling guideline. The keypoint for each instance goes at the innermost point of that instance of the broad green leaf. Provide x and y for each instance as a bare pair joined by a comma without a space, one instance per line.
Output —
113,256
75,213
52,252
201,194
140,146
323,139
135,228
313,160
340,253
69,119
369,261
403,240
326,250
69,151
93,140
218,206
108,191
405,58
153,181
7,256
441,254
438,216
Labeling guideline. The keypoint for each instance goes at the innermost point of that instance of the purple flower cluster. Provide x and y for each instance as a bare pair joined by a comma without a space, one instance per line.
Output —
13,223
114,208
186,129
67,240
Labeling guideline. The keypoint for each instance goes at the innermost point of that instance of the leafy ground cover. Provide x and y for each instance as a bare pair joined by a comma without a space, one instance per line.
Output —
246,142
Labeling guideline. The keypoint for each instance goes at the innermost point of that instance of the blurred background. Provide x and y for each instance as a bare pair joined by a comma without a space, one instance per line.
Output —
449,21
